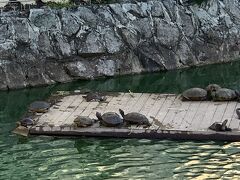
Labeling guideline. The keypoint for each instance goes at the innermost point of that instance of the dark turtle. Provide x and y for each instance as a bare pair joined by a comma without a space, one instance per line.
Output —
194,94
39,106
94,96
26,122
135,118
210,88
238,112
218,126
224,94
83,121
109,119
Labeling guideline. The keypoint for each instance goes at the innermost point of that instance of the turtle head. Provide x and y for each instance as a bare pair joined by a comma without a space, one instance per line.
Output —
103,98
121,112
18,123
99,116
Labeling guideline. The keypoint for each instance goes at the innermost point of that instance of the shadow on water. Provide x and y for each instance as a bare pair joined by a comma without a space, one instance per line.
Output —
50,158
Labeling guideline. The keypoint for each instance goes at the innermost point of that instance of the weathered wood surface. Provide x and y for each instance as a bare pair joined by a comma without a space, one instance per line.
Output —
170,117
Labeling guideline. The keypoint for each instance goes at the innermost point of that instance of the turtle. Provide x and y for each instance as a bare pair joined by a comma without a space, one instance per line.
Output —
135,118
224,94
83,121
210,88
238,112
194,94
39,106
109,119
26,122
220,126
94,96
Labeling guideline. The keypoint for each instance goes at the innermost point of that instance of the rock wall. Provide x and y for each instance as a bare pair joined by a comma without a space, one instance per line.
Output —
47,46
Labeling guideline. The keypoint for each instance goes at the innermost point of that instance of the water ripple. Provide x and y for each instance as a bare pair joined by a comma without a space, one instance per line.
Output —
50,158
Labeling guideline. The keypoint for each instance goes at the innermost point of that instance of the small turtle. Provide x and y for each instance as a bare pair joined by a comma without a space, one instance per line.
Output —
224,94
39,106
94,97
109,119
194,94
25,122
83,121
218,126
135,118
210,88
238,112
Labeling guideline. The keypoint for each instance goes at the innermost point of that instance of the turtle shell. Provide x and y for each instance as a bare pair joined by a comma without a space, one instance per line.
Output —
83,121
26,122
224,94
111,119
194,94
94,97
136,118
39,106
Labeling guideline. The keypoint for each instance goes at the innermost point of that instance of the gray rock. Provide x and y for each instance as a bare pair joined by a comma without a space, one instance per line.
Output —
126,37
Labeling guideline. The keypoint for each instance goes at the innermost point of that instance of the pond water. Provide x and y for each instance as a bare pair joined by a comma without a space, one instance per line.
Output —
94,158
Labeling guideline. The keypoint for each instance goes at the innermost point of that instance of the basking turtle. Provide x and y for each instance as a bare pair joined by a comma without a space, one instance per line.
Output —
218,126
135,118
83,121
194,94
25,122
39,106
224,94
211,88
94,96
109,119
238,112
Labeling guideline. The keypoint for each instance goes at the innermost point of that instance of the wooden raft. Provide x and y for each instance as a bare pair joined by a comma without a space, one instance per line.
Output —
170,117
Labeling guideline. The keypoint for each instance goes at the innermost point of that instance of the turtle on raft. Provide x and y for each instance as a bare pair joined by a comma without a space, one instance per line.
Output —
39,106
22,126
135,118
94,96
211,88
83,121
194,94
224,94
220,126
109,119
25,122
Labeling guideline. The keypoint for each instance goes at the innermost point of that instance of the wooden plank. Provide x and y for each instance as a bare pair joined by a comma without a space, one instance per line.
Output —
131,103
187,121
140,103
75,104
158,104
164,110
64,110
114,104
55,110
180,115
208,116
149,104
172,110
198,118
137,133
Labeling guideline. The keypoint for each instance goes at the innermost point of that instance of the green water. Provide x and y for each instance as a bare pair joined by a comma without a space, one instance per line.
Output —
92,158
